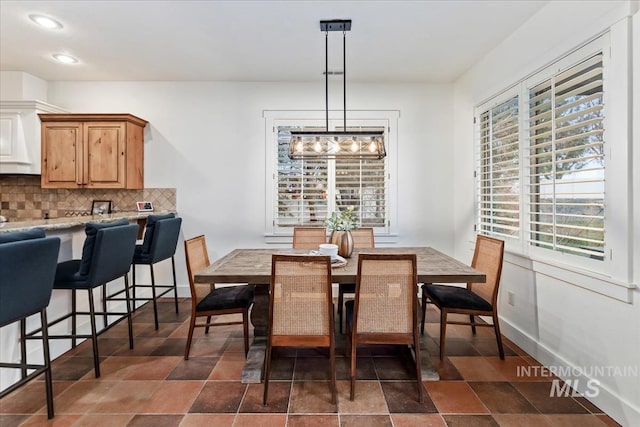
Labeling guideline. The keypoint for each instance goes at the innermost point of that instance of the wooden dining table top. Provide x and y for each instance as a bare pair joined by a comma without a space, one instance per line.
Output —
253,266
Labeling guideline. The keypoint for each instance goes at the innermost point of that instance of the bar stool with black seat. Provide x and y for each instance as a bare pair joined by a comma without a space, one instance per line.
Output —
106,256
160,242
27,271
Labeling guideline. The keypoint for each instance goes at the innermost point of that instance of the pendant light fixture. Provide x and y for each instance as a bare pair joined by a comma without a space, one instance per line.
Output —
336,144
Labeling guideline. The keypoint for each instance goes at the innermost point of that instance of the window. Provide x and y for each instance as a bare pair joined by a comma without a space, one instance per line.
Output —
547,132
499,171
310,190
306,192
566,152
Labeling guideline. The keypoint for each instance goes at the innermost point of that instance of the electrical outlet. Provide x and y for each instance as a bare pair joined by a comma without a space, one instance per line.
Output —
511,298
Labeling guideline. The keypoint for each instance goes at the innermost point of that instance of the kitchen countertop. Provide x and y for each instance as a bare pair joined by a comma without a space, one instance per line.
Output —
72,221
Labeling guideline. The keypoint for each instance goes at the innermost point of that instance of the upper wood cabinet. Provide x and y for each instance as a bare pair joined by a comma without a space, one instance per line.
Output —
92,151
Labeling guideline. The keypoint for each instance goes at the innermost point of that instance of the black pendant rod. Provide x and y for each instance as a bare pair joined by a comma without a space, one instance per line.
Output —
344,76
326,78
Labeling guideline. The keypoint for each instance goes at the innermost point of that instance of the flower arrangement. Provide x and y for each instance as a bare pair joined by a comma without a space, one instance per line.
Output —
342,221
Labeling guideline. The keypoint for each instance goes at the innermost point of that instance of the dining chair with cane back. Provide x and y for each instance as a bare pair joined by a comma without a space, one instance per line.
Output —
476,299
300,309
207,300
308,237
385,309
363,238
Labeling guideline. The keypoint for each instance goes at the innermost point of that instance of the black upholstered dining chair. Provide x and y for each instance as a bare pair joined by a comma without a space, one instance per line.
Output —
159,244
106,256
27,269
476,299
208,301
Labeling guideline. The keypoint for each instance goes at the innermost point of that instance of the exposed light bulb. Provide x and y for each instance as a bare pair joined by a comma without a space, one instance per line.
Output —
316,146
299,145
354,146
336,144
372,145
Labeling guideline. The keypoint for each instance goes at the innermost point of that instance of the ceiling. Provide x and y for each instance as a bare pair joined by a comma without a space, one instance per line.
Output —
390,41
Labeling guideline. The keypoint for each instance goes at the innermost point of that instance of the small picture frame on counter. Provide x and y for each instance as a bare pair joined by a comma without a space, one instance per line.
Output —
99,207
144,206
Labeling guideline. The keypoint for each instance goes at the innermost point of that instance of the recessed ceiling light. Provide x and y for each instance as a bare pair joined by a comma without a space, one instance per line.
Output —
46,22
65,59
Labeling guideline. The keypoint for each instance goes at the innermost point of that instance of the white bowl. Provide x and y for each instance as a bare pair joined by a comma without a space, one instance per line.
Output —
329,249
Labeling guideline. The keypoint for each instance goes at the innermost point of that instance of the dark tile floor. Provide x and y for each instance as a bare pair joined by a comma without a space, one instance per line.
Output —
153,385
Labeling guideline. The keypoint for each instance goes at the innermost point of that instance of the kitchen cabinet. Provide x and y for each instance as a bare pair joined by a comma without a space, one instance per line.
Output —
92,151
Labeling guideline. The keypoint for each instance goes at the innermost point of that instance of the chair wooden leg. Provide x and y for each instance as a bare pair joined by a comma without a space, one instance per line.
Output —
424,310
153,296
128,302
332,362
443,330
352,373
496,328
340,304
245,331
192,324
175,284
206,328
472,321
267,367
47,363
416,350
94,334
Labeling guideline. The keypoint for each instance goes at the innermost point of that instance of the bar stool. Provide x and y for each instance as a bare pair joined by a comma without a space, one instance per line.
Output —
106,256
27,271
160,242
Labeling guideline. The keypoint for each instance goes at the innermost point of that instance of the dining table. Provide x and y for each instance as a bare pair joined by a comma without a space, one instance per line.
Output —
253,266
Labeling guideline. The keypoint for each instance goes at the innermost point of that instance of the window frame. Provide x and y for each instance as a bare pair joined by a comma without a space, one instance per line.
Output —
276,118
615,172
478,112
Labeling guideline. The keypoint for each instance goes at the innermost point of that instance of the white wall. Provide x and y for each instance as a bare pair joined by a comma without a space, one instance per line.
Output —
207,140
19,86
556,320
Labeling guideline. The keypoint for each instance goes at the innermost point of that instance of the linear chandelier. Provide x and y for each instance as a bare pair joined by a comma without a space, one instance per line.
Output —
336,144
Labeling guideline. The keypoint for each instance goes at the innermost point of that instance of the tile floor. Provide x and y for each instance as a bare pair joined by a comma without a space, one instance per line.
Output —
153,385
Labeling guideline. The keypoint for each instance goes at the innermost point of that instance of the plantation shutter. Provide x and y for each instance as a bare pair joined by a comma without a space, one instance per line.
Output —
499,171
302,186
566,161
308,191
361,184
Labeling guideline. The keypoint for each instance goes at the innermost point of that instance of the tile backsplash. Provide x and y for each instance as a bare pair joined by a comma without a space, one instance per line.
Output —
21,198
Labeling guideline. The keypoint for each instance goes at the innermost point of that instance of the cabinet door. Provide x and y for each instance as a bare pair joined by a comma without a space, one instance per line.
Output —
104,157
62,155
